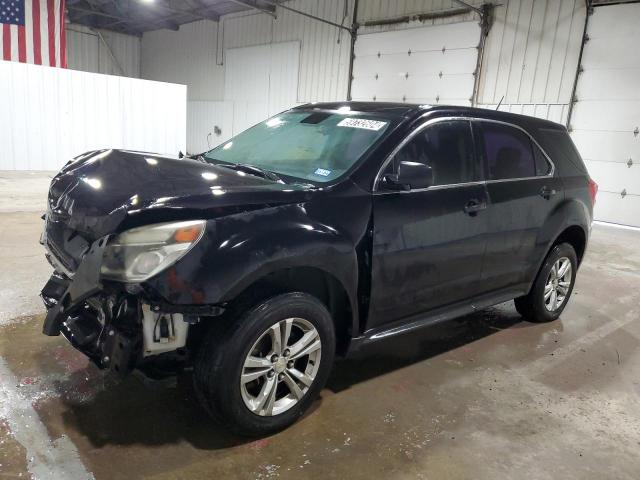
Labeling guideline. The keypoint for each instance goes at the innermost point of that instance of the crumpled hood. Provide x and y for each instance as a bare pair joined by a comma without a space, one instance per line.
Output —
107,191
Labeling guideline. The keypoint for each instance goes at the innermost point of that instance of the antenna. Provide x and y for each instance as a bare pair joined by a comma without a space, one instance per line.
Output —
500,102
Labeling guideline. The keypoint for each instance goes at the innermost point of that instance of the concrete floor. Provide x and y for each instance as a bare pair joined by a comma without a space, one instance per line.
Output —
485,396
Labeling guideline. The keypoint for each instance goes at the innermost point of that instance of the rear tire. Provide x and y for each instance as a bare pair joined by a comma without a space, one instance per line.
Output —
552,287
286,375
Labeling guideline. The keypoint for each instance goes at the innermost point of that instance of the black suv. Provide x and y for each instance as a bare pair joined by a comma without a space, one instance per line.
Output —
321,229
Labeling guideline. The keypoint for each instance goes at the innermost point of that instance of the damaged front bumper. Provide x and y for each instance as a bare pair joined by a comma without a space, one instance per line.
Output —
101,324
117,326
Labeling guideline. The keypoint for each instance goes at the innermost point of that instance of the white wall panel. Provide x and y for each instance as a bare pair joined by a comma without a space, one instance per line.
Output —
186,56
430,64
50,115
324,54
194,55
202,118
86,52
246,73
606,117
261,81
284,71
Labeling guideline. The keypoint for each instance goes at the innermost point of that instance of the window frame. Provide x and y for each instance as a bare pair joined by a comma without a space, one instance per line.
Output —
472,121
534,145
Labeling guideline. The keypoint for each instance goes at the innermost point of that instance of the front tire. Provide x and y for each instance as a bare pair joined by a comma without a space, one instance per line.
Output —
264,370
552,287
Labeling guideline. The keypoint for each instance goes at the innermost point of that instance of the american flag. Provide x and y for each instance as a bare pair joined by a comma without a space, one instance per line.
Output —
32,31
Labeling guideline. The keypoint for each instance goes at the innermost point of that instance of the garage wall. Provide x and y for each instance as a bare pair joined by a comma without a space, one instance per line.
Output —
531,52
195,56
86,52
261,81
427,64
531,57
186,56
324,54
606,117
50,115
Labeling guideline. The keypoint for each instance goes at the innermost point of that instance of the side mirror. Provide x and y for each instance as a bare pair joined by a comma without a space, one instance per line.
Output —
180,154
410,176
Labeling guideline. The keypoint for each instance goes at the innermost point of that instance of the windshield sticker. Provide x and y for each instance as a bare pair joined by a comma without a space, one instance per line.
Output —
362,123
323,172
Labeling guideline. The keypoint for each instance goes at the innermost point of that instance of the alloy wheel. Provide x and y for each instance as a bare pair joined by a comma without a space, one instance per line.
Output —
558,284
280,367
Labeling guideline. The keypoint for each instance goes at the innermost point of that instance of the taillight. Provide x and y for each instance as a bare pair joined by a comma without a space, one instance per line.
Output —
593,190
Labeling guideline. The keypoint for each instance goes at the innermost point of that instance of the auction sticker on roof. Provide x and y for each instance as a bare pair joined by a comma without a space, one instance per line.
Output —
362,123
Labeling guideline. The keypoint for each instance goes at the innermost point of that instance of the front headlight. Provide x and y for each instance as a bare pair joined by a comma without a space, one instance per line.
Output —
140,253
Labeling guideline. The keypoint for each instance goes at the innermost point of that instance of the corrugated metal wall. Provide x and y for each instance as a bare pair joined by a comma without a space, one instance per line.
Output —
186,56
324,55
87,52
194,55
531,57
531,53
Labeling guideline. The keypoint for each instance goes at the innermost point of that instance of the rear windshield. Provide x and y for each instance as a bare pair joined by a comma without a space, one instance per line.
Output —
309,145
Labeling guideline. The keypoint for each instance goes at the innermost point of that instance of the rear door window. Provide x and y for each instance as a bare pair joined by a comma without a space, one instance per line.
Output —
508,152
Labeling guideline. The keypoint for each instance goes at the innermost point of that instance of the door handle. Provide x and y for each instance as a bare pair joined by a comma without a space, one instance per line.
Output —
546,192
473,206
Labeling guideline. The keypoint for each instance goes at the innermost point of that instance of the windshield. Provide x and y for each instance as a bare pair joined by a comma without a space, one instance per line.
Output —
315,146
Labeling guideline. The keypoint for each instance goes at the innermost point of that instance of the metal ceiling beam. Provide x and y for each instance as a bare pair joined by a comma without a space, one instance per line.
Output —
192,12
120,19
255,6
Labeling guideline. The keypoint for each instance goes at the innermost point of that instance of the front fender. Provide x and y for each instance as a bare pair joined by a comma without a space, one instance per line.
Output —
240,249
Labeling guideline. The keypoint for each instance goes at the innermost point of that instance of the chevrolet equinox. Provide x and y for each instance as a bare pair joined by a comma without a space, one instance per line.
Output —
319,230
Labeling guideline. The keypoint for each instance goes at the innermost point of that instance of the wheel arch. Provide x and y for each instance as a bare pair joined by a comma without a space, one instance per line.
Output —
312,280
575,236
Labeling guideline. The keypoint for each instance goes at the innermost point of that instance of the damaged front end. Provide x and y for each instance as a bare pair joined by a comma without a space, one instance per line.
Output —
104,326
103,308
131,238
116,329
